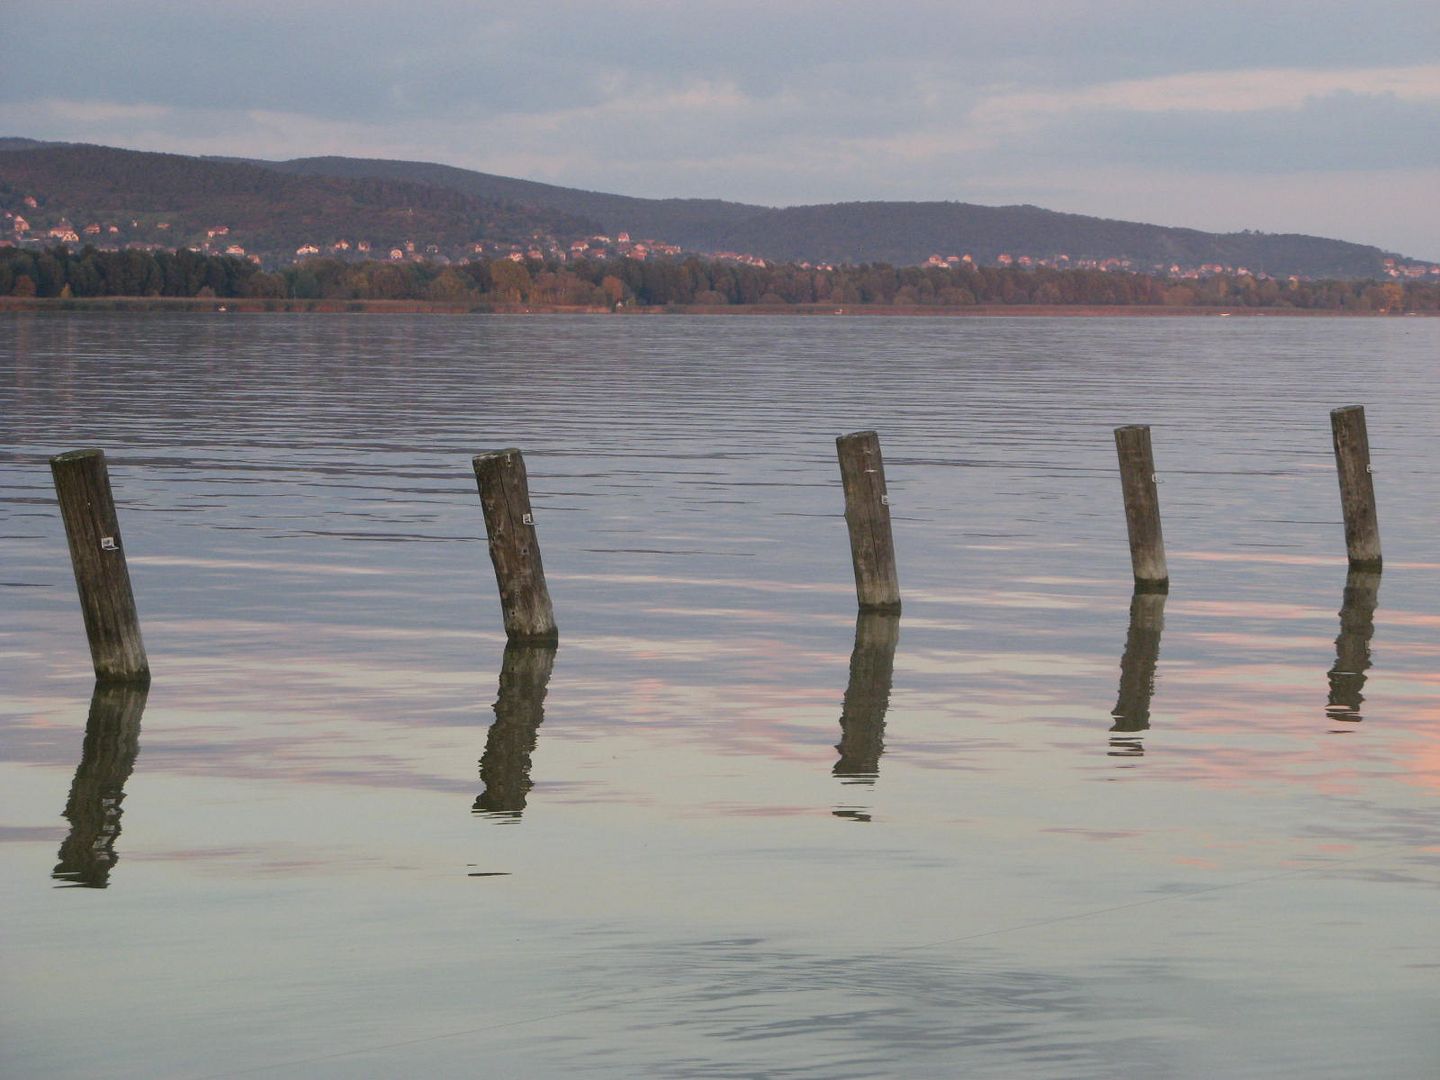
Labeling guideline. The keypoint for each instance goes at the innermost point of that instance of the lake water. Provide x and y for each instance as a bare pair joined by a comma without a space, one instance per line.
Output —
703,839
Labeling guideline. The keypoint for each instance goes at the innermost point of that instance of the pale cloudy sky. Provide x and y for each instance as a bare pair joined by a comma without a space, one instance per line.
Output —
1287,115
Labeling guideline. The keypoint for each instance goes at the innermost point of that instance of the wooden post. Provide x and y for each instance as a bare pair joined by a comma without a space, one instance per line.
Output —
82,485
514,549
1142,508
867,697
519,712
1357,490
1352,647
867,514
112,739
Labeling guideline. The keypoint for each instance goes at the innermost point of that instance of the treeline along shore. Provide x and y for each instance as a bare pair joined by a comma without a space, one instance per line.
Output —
41,278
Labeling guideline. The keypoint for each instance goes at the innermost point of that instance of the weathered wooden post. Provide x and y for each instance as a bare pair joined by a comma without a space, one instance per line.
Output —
112,739
867,514
519,712
867,697
1357,489
514,549
1142,508
1352,647
82,485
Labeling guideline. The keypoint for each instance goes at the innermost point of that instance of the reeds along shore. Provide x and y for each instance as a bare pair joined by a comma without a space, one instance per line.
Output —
691,283
252,305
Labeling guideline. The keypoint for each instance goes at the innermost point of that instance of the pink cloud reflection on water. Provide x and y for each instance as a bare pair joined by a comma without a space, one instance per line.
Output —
1238,701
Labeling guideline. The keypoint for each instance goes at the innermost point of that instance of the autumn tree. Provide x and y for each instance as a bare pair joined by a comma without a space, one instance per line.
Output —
510,280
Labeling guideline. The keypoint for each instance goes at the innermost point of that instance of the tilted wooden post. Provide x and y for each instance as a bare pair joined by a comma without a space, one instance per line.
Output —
1357,489
1142,508
82,485
510,524
867,513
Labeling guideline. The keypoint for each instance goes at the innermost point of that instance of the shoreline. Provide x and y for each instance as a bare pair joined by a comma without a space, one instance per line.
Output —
251,305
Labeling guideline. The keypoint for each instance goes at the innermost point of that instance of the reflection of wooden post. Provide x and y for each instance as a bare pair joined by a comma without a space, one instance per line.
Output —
112,739
1137,666
1357,489
519,711
82,485
867,697
867,513
1142,508
514,549
1352,647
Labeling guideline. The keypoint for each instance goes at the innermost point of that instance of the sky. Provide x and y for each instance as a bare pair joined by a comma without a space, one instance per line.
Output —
1304,116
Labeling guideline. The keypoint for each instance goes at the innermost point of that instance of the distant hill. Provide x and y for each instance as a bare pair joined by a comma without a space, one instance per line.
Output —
264,210
274,207
908,232
692,223
901,233
10,142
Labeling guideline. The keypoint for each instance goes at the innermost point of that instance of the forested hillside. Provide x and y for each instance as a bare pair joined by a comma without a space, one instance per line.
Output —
354,207
902,233
177,199
692,223
908,232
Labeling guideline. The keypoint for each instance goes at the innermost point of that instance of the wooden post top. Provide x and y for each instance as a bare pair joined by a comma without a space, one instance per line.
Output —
495,455
77,455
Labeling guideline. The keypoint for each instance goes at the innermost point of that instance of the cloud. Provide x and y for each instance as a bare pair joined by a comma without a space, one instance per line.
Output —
1256,90
359,59
1341,132
99,114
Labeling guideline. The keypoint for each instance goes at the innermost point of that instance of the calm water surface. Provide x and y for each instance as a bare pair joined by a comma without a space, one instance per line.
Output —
725,830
